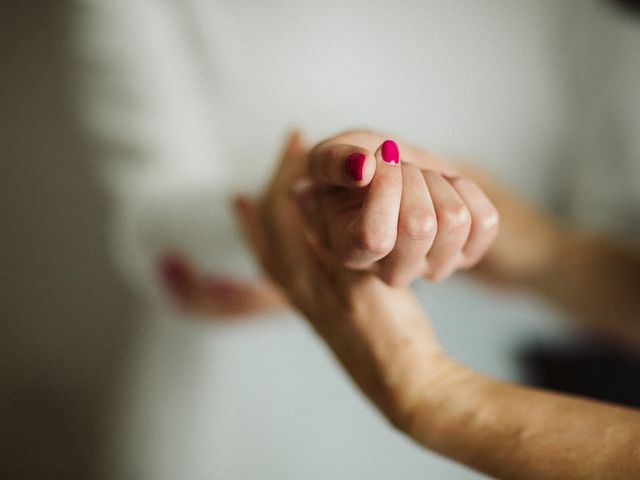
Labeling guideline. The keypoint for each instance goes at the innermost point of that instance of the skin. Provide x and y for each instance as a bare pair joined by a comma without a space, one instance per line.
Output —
221,297
415,219
401,221
592,277
384,340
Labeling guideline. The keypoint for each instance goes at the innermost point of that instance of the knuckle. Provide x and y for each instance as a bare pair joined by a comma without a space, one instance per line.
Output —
455,219
375,243
489,220
419,225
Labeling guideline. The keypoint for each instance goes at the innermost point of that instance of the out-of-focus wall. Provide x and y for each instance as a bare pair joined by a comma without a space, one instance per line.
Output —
62,310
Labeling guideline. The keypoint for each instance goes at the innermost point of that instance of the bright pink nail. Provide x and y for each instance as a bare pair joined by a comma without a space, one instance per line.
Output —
175,273
390,152
355,165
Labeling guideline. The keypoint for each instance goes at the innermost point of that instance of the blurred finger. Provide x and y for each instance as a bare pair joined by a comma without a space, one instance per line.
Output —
273,227
292,163
416,231
249,213
224,295
454,223
179,277
305,194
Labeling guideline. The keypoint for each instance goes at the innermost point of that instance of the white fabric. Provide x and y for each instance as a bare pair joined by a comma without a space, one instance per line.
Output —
191,100
603,158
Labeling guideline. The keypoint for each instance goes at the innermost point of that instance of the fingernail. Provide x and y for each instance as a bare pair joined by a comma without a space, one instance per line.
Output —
389,152
174,271
355,165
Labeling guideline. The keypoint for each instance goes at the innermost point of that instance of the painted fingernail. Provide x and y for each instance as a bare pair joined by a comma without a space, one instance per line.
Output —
174,271
355,165
389,152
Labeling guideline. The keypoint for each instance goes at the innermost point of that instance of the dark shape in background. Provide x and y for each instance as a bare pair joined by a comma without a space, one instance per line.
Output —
62,309
584,368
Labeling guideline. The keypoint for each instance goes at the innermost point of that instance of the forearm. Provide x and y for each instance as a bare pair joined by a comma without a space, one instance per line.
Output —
598,281
380,346
504,430
515,432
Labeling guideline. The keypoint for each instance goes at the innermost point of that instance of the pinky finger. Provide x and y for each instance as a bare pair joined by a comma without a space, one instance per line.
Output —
484,221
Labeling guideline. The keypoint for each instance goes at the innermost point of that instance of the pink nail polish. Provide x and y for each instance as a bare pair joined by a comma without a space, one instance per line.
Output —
355,165
390,152
174,271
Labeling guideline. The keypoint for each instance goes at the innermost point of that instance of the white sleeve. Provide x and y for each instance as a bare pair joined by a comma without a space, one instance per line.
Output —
145,103
604,164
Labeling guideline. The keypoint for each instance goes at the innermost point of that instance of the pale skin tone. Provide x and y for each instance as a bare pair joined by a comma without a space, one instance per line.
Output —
418,218
384,339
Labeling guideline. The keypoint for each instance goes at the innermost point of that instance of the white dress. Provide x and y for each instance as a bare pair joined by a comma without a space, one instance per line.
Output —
191,100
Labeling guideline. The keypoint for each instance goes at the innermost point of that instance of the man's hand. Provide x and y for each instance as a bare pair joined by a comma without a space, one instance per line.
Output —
530,243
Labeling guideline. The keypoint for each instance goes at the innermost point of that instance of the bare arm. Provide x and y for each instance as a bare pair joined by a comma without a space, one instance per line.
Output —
504,430
510,431
598,280
383,339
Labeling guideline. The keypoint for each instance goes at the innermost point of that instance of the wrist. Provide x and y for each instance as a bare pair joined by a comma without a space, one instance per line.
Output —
388,347
556,245
569,254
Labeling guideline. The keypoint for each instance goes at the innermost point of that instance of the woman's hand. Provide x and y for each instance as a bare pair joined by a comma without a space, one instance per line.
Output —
205,294
379,333
396,210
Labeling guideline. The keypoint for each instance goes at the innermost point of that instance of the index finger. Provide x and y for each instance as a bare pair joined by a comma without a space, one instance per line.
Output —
372,234
341,165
